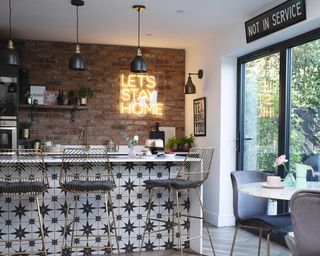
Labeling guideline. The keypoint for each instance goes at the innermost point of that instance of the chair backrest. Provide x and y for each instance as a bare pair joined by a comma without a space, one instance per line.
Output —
86,164
305,209
245,206
23,165
196,166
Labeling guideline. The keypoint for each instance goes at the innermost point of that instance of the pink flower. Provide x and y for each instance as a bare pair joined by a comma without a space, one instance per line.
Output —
281,160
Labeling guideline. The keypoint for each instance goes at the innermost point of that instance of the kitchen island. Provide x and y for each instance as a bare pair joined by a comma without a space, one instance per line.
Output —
130,201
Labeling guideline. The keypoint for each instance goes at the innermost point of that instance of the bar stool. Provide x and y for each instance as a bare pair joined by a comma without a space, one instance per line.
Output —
87,171
192,174
23,173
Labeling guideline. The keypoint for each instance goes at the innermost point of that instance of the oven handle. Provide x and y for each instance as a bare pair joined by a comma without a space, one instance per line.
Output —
14,135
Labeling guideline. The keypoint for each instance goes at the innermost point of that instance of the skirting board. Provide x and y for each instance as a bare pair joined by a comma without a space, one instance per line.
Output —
219,220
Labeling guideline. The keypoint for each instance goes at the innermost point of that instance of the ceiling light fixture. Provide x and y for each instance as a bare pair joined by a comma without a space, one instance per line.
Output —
10,55
138,64
77,61
190,88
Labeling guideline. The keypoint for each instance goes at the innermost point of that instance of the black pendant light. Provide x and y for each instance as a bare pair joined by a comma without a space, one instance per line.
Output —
138,64
77,61
190,88
10,56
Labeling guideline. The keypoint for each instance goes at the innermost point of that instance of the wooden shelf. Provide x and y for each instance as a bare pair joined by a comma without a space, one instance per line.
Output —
70,107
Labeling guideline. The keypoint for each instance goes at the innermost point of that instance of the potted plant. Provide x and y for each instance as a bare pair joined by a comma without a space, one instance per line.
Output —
26,129
72,98
84,94
36,144
174,144
187,142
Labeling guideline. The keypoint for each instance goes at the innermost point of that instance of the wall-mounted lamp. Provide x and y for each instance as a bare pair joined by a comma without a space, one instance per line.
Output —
190,88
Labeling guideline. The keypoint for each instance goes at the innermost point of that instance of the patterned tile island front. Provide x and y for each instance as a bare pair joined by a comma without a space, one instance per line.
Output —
130,202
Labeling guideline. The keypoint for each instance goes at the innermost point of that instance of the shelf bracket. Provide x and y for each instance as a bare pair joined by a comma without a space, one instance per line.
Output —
32,113
73,114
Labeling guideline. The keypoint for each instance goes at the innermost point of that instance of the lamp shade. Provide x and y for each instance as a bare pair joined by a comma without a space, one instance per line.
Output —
10,56
138,64
189,88
77,61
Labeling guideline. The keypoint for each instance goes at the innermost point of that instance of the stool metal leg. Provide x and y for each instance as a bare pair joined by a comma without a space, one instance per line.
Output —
74,228
173,217
179,222
114,222
205,222
41,227
147,220
108,220
63,245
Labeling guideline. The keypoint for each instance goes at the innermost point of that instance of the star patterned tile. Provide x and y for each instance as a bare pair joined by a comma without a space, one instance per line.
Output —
19,219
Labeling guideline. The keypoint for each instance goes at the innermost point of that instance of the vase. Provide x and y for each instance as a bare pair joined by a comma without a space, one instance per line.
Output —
289,181
132,153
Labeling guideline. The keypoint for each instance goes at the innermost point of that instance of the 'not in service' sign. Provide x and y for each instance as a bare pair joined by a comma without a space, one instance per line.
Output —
281,16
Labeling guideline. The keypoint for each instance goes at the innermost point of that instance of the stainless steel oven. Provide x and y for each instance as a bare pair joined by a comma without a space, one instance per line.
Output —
8,134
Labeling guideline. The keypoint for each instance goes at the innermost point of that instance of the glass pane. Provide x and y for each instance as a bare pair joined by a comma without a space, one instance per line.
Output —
261,112
305,105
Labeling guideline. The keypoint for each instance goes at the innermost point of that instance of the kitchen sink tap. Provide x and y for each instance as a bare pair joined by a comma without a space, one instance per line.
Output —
84,133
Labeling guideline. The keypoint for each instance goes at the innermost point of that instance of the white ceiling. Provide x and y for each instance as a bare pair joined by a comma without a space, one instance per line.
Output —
114,22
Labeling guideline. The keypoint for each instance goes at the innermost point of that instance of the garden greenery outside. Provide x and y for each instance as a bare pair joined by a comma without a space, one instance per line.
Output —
262,107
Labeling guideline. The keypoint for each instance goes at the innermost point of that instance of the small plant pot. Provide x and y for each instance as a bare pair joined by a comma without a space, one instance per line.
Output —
83,101
25,133
175,147
36,146
185,147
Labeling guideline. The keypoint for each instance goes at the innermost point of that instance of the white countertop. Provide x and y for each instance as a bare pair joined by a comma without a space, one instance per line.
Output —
124,158
257,189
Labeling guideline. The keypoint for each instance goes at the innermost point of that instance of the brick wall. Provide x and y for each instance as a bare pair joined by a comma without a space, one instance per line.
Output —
47,63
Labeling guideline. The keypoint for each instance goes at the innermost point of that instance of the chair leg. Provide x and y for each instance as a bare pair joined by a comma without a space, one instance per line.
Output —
173,217
108,219
41,227
65,227
179,222
205,222
234,239
114,223
147,220
268,243
259,244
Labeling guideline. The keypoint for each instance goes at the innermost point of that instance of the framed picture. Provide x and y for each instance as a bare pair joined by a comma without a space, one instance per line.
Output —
37,93
50,97
199,116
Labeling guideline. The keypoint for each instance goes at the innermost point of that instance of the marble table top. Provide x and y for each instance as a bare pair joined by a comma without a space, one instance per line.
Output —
257,189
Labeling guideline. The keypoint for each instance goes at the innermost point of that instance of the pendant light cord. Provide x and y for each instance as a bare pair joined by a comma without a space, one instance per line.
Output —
77,24
139,28
10,19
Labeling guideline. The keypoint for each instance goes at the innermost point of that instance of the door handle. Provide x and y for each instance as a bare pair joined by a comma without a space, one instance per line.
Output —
247,139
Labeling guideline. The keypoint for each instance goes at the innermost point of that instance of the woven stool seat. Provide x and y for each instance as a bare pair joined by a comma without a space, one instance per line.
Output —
22,187
173,183
89,185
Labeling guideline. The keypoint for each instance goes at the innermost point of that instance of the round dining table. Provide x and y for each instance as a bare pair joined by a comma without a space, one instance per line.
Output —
283,193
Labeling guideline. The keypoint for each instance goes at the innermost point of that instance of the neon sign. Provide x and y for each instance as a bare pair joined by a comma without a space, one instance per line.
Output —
138,95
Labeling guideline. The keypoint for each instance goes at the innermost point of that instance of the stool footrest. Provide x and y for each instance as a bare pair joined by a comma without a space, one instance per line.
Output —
82,246
19,253
20,240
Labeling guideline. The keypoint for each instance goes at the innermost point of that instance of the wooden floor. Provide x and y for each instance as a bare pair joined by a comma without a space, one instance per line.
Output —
246,245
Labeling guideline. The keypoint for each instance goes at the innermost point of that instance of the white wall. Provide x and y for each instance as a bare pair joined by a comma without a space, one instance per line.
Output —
217,56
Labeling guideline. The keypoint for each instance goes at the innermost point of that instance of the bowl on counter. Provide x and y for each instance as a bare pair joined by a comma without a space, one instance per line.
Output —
56,148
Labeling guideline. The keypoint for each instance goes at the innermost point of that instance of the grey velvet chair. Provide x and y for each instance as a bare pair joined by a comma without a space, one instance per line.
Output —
305,208
252,212
192,174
